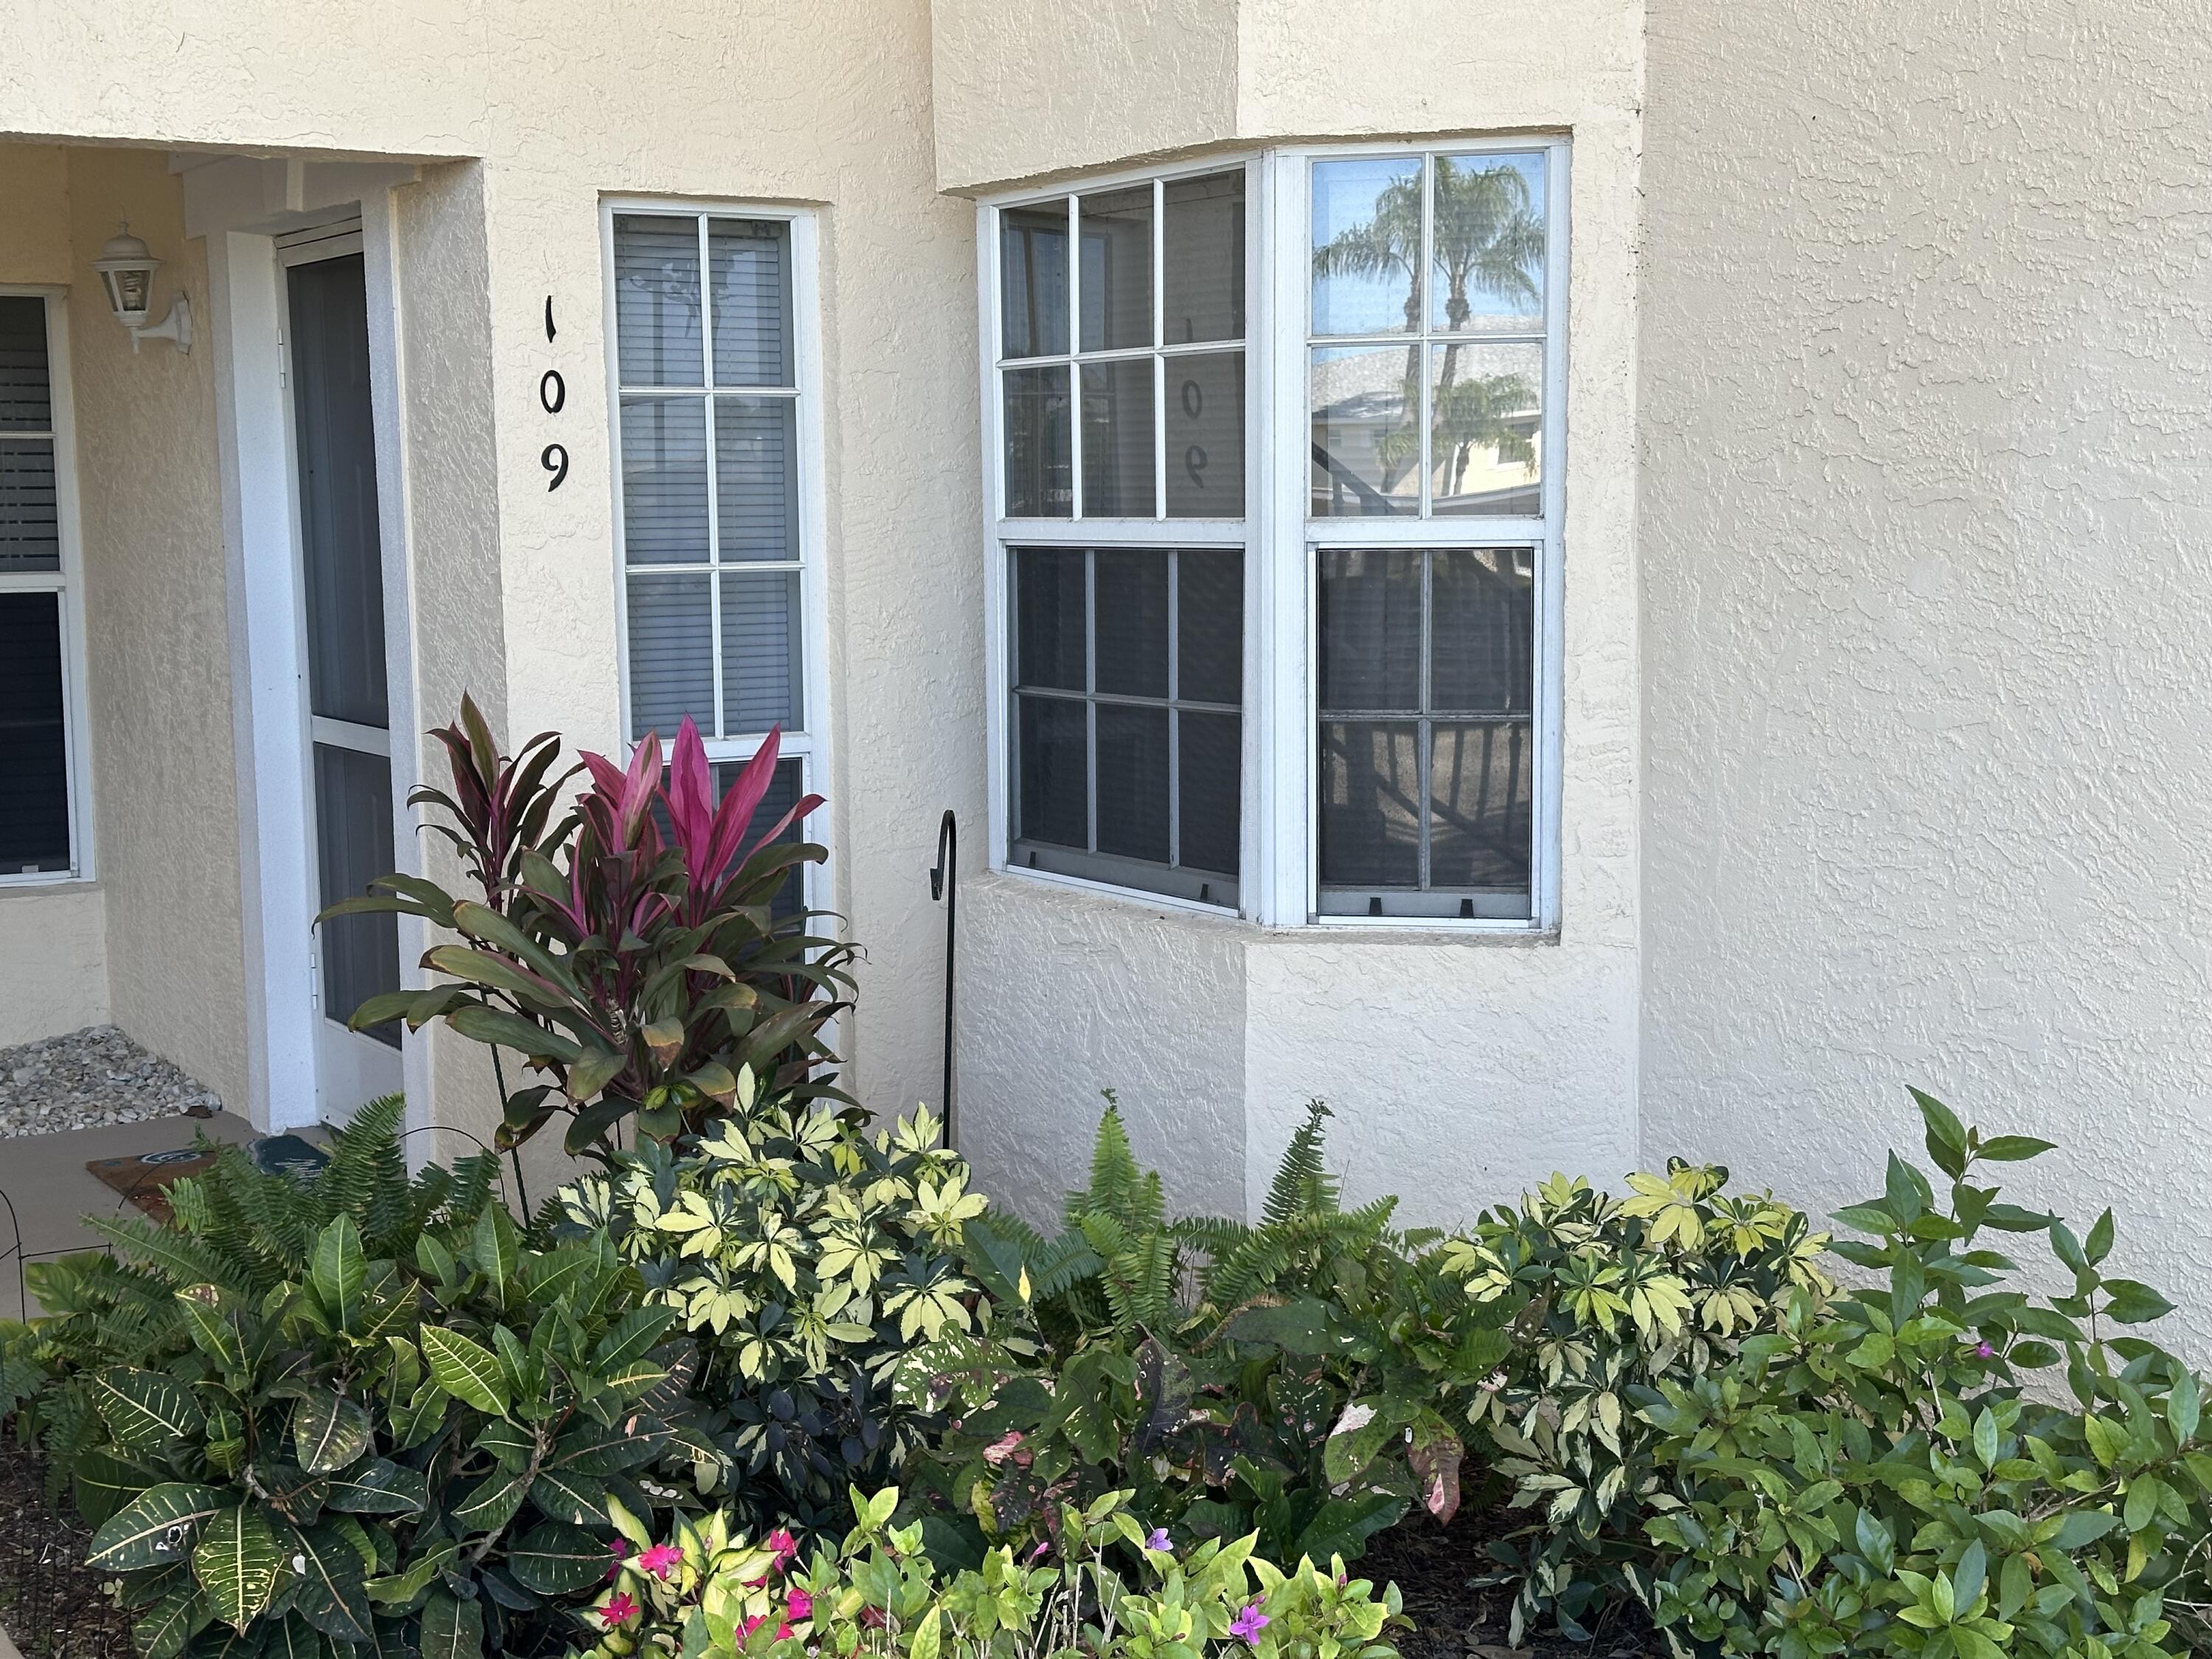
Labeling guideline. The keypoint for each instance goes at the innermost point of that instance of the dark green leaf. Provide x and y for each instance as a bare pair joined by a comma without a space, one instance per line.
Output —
556,1558
239,1562
330,1596
492,1502
329,1433
2133,1304
106,1480
155,1529
633,1335
163,1629
145,1411
452,1629
340,1270
466,1369
2013,1148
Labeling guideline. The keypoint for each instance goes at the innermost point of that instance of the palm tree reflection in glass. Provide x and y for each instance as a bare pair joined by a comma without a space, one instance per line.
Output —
1488,243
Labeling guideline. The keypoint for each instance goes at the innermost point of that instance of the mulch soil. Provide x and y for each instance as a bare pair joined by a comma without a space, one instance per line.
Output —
1432,1566
54,1607
50,1605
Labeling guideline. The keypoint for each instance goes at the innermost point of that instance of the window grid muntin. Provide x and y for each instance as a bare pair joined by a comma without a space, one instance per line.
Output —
1075,358
1172,703
722,743
64,582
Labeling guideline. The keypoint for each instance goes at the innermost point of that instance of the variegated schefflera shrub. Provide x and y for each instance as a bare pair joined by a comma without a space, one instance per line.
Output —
810,1257
1609,1296
363,1415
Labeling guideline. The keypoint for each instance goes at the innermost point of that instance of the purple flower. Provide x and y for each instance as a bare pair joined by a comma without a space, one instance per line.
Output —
1249,1623
1158,1540
1984,1351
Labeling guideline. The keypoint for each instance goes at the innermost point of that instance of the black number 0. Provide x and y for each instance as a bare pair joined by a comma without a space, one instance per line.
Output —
555,459
552,390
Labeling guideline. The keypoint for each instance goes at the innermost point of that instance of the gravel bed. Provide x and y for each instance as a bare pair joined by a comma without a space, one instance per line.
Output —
89,1078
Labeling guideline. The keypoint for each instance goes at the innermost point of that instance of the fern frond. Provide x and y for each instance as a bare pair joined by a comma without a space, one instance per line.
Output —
1302,1184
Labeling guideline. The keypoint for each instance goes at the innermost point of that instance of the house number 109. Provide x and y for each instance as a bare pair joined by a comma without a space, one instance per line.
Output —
552,395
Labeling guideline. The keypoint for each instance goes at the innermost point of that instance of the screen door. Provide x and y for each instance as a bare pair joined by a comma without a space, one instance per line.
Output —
348,712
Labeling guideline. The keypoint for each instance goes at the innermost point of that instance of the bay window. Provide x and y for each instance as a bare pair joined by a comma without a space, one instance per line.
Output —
1293,654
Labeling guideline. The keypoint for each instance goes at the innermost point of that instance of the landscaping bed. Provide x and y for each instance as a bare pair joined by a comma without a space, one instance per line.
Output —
51,1605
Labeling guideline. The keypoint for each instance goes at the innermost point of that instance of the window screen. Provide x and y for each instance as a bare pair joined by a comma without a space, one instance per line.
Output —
707,388
1128,726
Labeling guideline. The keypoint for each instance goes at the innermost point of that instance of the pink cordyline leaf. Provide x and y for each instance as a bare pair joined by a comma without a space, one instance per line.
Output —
735,812
690,794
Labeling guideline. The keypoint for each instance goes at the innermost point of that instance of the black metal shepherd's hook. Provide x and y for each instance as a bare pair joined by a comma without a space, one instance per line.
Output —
943,878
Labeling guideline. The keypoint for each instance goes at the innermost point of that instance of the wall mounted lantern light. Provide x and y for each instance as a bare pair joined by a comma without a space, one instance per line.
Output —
126,268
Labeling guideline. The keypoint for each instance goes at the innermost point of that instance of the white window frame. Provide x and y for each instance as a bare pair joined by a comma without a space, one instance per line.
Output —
67,584
809,743
1279,882
1003,534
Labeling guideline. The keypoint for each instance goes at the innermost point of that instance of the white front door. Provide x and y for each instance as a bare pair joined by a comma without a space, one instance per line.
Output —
344,700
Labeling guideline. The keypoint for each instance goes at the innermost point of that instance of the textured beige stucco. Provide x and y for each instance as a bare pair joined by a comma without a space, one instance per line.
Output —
1927,358
53,960
157,640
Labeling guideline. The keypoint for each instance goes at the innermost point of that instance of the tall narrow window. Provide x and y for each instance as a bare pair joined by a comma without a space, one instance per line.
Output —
1119,407
1428,366
716,549
40,833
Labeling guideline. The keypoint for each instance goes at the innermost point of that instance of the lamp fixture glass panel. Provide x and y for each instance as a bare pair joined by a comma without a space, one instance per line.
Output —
126,267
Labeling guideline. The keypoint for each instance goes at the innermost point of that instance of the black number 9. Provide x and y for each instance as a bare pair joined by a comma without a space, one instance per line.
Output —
555,459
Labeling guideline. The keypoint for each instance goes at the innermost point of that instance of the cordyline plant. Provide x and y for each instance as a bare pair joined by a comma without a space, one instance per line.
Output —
629,951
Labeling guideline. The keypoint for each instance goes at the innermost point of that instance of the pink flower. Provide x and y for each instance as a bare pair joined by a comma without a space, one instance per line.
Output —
801,1605
621,1548
784,1632
1984,1351
1248,1624
660,1559
1041,1547
752,1624
785,1546
618,1612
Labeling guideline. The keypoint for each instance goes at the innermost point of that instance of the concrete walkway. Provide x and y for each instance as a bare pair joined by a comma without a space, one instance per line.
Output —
45,1179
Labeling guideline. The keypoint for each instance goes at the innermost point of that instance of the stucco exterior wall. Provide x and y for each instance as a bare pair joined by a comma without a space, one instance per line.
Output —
157,639
1927,359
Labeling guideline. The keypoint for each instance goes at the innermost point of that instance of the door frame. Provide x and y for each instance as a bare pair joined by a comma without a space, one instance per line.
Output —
244,206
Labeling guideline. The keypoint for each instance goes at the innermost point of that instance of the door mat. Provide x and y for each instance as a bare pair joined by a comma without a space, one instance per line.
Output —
144,1179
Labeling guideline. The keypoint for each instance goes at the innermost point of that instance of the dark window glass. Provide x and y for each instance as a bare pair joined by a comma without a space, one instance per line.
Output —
1049,618
1033,280
1135,777
1040,483
1202,259
784,790
1117,269
353,814
1426,746
1117,439
1133,623
34,804
1055,802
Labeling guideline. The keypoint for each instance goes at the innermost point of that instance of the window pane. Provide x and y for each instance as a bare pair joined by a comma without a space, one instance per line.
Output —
1370,804
1056,796
1486,274
657,301
1210,626
1132,781
1132,618
1048,617
1485,424
1033,280
1366,431
1039,483
1117,439
1209,771
1116,226
750,259
30,529
1480,786
1202,259
761,652
664,460
1205,435
34,805
1483,621
353,823
783,793
26,396
671,655
1366,245
1370,629
757,477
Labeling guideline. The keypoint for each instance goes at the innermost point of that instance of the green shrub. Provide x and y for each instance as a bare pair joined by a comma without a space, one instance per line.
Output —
1605,1296
1872,1478
1299,1375
350,1415
809,1257
706,1594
